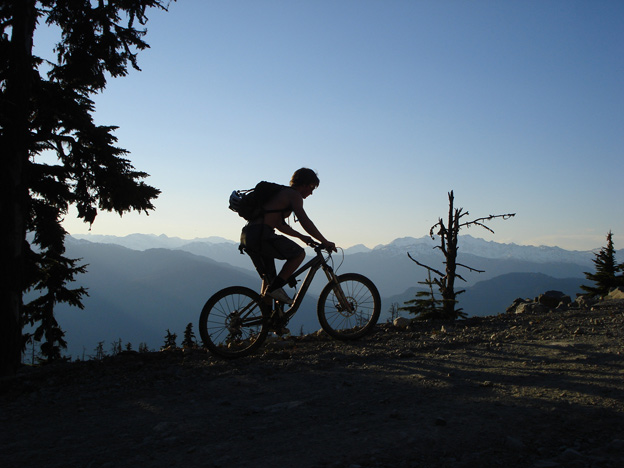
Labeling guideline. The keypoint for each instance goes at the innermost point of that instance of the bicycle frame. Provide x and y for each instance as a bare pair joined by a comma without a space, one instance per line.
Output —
313,266
236,320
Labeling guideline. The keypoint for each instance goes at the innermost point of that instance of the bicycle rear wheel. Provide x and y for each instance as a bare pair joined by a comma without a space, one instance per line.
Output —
232,322
362,313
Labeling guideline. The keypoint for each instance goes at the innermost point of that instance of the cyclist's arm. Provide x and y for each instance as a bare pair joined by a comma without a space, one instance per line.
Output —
306,222
289,231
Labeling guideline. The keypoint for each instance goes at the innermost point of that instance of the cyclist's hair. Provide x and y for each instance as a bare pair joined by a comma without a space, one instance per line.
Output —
304,176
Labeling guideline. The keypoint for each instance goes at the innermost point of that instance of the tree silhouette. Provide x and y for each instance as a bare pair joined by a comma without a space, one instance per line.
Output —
44,114
425,305
189,337
606,276
393,311
116,347
449,237
99,351
170,340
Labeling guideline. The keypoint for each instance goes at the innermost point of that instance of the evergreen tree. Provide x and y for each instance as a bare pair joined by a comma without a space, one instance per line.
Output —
425,305
116,347
99,351
189,337
606,276
51,113
170,340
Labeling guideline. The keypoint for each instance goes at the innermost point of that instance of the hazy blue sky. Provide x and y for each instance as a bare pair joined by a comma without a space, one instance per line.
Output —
517,106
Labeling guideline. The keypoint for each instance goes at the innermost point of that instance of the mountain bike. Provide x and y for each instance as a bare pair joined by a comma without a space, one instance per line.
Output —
235,321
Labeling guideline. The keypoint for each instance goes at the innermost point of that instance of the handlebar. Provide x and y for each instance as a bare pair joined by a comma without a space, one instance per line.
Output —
315,245
318,247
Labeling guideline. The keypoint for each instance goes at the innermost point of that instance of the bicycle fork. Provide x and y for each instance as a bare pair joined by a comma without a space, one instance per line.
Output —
342,299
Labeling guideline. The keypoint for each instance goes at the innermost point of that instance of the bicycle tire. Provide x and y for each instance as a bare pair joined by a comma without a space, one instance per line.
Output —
222,329
365,302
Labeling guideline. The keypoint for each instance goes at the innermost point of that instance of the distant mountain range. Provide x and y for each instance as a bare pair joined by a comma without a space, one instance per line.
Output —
142,285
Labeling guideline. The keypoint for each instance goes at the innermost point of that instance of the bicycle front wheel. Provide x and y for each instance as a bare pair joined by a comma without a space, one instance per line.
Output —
232,322
355,318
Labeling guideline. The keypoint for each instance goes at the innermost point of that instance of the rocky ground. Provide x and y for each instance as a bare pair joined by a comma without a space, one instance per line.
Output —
526,390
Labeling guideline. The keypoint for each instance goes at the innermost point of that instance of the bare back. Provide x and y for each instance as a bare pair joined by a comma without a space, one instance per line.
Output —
280,207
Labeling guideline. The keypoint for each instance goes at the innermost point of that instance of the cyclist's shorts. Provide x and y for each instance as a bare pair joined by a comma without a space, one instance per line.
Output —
263,245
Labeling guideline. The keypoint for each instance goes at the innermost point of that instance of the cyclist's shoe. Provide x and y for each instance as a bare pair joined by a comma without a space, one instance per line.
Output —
280,295
278,321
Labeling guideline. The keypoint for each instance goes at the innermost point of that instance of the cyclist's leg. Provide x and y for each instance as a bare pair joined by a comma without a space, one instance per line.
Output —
252,244
282,248
290,266
265,266
263,245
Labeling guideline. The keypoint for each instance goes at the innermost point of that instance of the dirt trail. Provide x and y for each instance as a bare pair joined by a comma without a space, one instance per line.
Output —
523,390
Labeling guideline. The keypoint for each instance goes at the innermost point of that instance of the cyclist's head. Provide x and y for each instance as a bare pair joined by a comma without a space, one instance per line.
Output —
304,176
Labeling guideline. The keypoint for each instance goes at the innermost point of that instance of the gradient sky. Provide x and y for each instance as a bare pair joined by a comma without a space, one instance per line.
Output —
517,106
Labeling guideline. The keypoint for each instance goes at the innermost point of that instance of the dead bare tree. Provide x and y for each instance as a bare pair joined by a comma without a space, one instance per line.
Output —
449,234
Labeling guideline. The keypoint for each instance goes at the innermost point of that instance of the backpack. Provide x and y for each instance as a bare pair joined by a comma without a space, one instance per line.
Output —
248,203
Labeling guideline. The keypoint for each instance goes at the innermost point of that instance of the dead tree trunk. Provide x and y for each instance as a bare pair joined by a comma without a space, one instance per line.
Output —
449,236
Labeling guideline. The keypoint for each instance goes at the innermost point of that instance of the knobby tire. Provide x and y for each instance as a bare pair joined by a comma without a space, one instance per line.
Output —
232,323
363,297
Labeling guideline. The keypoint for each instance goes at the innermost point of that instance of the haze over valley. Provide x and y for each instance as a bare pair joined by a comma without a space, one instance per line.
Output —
140,285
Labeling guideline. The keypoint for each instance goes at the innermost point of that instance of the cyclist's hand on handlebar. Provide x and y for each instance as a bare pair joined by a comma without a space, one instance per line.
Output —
329,246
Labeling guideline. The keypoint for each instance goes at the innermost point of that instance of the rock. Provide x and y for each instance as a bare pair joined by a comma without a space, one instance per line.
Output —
542,304
512,309
585,301
551,299
531,307
401,322
617,293
523,307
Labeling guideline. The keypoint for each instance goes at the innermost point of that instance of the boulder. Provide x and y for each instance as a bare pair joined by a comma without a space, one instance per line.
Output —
616,293
552,299
401,322
585,301
531,307
512,309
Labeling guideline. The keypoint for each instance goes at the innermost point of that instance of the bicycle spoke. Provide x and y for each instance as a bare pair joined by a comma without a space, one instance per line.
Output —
231,323
354,315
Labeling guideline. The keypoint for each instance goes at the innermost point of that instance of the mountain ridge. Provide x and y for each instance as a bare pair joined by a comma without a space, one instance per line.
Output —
136,295
467,243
